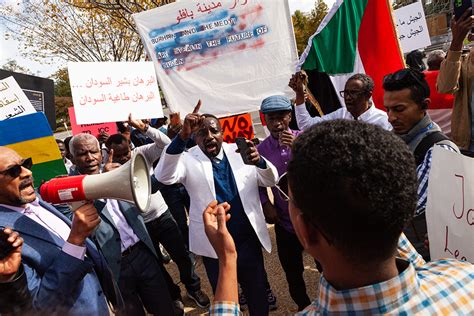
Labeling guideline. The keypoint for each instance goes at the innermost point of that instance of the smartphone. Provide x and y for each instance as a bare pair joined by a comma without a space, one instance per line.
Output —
243,146
5,246
460,6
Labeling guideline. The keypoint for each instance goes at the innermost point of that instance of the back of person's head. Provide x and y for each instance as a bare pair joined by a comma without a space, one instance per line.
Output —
435,58
408,78
366,80
356,183
414,60
115,139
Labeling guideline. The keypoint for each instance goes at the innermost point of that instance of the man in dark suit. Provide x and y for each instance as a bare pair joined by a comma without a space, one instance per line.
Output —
124,241
63,268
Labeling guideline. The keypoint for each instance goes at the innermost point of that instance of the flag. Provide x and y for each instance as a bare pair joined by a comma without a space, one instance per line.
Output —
31,137
441,105
356,36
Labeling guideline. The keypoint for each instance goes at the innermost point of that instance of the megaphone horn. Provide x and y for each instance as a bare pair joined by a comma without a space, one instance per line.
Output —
130,182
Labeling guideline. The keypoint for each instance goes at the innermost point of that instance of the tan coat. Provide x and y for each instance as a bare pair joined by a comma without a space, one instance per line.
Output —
455,77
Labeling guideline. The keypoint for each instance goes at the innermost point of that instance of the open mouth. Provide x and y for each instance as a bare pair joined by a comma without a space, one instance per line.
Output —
27,186
210,147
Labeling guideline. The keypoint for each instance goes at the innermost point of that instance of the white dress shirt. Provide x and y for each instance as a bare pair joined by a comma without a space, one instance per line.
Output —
52,223
371,116
128,237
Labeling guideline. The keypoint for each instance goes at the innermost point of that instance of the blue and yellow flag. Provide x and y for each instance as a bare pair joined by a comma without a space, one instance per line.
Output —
31,136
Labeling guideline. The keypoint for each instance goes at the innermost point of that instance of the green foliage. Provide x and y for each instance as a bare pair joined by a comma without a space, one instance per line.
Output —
305,24
62,87
62,105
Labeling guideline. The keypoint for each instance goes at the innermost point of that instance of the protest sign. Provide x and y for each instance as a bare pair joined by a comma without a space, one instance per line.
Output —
450,207
93,129
237,126
412,27
109,91
13,101
231,54
30,136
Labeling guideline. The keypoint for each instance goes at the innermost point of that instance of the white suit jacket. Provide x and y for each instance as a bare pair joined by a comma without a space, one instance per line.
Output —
194,170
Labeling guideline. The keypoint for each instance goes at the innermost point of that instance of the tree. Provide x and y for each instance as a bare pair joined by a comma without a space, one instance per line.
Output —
12,65
62,87
306,24
56,28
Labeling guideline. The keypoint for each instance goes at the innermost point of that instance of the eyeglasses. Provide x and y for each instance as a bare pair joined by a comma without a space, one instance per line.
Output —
403,74
15,170
282,187
351,93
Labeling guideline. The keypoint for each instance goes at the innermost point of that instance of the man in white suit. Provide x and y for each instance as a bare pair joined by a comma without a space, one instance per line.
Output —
214,170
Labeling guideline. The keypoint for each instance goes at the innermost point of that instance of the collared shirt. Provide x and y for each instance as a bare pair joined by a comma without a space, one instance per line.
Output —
423,173
372,116
279,155
128,237
52,223
441,287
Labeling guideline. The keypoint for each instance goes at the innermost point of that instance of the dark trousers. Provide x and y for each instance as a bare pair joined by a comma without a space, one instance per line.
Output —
178,201
141,284
290,253
164,230
250,274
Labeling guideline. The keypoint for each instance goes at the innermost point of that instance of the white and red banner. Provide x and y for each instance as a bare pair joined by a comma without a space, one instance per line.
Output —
231,54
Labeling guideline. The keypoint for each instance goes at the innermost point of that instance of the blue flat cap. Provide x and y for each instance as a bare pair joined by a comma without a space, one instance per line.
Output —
275,103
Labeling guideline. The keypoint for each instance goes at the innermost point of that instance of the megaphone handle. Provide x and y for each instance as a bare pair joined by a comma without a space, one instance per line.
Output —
75,205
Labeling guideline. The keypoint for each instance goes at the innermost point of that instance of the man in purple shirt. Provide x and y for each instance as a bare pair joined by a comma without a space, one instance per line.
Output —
277,149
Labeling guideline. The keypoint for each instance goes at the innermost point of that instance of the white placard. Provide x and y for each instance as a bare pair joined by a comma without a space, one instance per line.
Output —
13,101
450,206
231,54
412,28
109,91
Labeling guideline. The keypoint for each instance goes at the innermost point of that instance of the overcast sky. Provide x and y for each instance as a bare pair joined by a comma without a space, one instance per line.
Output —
9,49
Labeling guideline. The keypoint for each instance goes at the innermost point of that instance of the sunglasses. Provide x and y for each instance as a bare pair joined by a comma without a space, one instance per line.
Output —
282,187
15,170
404,74
351,93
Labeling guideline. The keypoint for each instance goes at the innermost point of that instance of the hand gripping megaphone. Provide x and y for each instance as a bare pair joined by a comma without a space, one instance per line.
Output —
130,182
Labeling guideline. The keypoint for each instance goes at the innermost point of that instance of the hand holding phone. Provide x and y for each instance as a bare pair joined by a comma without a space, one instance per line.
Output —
247,151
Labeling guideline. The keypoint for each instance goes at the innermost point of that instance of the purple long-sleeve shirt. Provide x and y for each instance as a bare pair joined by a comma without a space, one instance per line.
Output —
279,156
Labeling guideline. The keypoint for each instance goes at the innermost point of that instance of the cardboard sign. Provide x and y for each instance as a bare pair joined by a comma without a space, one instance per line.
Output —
13,101
412,27
237,126
93,129
109,91
30,136
231,54
450,206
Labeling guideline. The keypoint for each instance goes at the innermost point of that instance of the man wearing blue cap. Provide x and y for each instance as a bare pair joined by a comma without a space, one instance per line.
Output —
277,149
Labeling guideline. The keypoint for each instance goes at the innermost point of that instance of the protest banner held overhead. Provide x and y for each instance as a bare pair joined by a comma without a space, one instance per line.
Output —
13,101
412,27
356,36
450,206
31,136
109,91
93,129
237,126
231,54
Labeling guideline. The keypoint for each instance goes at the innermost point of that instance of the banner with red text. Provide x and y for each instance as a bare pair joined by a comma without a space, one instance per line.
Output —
231,54
237,126
93,129
109,91
450,207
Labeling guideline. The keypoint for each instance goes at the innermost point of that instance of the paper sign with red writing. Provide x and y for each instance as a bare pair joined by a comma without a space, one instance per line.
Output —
94,129
237,126
109,91
231,54
450,207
